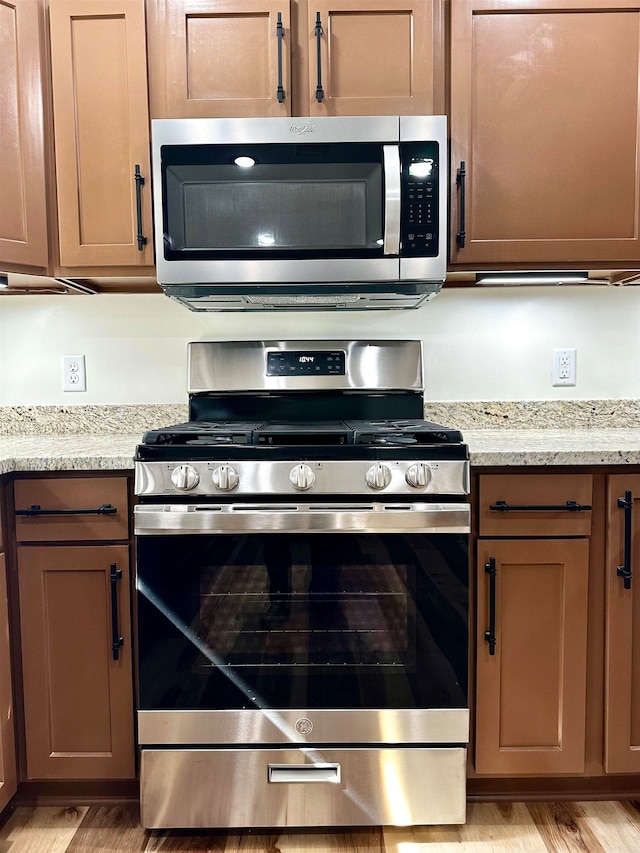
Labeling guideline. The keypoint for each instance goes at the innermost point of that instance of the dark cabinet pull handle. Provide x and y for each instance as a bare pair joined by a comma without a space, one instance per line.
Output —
116,640
280,34
319,32
142,240
490,635
36,509
569,506
461,181
624,571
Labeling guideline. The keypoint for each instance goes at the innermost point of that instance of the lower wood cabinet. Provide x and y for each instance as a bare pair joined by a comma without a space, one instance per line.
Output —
77,679
531,662
8,775
622,626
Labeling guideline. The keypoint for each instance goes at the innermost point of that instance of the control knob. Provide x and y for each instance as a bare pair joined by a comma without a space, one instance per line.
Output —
225,478
185,478
302,477
378,476
418,475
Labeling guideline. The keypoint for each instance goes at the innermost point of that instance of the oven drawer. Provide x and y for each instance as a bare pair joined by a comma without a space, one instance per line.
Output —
535,505
290,787
57,509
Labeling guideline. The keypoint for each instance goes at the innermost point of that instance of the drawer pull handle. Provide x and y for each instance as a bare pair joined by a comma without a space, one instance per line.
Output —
280,93
36,509
490,635
624,571
116,640
319,32
318,772
142,240
461,182
569,506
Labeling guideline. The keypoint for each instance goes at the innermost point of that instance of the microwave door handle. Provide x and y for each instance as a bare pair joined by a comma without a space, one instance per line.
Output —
391,237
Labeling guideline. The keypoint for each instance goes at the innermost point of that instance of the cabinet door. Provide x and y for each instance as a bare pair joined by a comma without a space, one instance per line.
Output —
8,778
544,114
78,700
218,58
622,637
23,207
99,72
380,57
531,693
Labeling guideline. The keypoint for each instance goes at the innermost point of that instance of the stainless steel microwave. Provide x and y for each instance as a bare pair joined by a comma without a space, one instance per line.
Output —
291,213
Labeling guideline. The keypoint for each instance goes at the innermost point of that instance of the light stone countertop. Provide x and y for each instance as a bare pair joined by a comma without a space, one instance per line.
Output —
488,447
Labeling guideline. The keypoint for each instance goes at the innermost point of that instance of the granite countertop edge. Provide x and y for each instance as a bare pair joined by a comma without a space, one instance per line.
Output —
487,448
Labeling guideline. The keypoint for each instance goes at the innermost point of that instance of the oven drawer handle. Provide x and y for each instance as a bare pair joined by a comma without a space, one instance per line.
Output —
318,772
36,509
624,571
490,635
569,506
116,640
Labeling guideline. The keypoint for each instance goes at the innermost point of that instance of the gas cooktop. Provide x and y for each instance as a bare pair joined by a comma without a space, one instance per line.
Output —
385,432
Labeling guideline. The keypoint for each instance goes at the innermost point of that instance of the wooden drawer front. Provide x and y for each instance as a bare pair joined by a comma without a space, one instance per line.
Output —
84,494
539,490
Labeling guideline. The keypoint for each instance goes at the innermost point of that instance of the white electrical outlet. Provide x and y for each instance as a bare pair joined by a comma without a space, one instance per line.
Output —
563,371
74,376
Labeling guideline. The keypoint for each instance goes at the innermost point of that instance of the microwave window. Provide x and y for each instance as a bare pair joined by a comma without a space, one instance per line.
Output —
297,207
292,199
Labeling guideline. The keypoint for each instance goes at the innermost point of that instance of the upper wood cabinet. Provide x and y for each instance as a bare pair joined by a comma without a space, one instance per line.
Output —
622,638
101,125
544,115
217,58
23,197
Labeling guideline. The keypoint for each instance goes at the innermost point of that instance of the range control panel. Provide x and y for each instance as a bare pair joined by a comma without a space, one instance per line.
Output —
420,199
303,363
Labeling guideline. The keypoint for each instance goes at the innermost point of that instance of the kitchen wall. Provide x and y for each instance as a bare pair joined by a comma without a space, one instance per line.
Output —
480,344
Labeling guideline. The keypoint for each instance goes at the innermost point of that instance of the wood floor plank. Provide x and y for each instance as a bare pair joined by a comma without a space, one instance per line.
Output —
490,828
330,841
565,828
110,828
616,825
40,830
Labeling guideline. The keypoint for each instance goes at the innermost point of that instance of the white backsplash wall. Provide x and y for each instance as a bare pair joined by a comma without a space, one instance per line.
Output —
480,343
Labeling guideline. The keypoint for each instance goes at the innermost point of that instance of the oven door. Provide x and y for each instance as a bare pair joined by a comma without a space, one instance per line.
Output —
336,623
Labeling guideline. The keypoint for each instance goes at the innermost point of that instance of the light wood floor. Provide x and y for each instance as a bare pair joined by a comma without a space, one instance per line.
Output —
587,827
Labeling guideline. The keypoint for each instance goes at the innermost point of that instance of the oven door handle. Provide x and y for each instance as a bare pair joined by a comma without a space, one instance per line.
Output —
317,772
179,519
391,237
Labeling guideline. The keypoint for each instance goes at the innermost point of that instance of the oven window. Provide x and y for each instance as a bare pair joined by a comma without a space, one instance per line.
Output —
315,621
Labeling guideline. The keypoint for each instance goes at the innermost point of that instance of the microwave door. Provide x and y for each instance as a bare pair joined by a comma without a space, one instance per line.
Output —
392,200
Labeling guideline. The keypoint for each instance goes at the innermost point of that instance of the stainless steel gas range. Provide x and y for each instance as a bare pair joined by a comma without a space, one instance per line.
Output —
302,587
